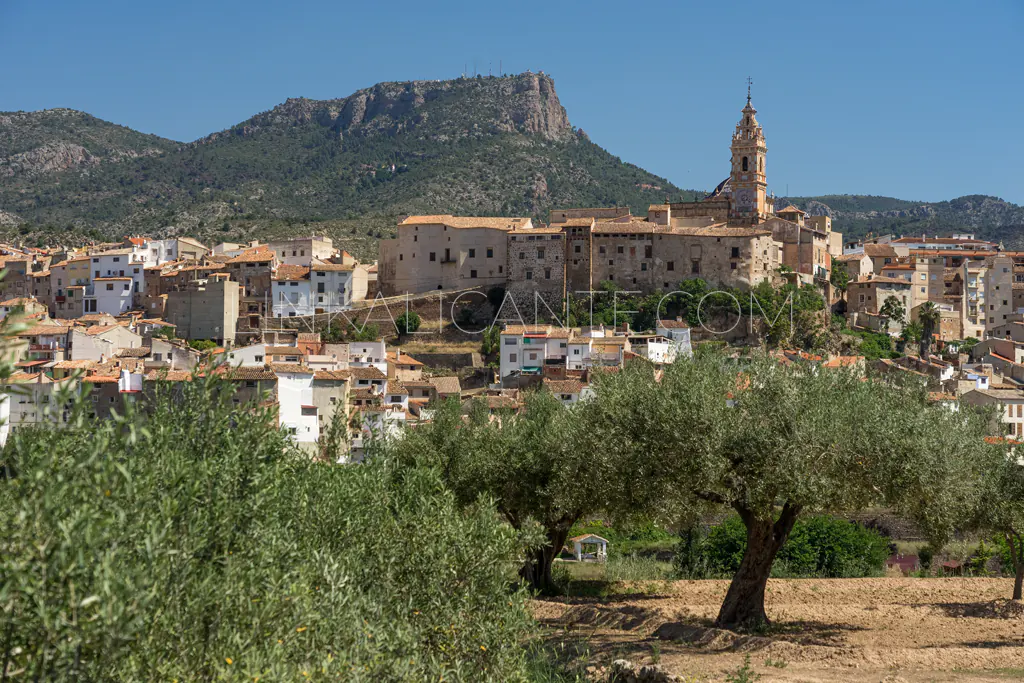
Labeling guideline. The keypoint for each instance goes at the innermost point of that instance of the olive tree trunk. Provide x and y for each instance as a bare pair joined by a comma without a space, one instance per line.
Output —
536,572
1014,539
743,606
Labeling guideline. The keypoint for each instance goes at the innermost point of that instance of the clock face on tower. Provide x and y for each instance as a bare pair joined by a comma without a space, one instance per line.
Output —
744,200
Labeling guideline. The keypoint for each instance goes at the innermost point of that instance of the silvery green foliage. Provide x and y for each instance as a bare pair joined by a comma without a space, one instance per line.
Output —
190,542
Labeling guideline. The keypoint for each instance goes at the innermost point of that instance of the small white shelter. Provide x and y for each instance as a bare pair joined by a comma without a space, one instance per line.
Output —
589,547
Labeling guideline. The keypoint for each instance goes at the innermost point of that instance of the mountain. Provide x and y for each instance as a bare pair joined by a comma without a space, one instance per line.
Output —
857,215
349,166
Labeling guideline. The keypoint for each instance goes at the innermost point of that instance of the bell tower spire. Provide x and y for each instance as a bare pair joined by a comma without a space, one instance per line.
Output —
747,180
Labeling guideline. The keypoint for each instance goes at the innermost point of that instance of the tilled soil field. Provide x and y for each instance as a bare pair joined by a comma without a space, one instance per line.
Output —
886,629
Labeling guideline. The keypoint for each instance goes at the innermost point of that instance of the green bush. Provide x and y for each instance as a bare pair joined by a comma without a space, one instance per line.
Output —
192,542
820,546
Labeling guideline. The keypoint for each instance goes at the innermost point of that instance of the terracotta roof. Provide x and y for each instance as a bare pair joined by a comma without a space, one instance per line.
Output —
244,372
721,230
403,359
331,267
37,330
138,352
879,250
284,351
257,255
576,223
287,272
880,279
630,227
501,223
564,386
790,209
446,385
673,324
936,396
21,301
367,373
849,257
284,368
547,330
308,336
99,379
332,375
73,364
552,230
843,361
169,375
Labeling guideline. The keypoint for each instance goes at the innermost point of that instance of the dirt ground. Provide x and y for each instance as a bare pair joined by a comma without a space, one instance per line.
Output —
886,629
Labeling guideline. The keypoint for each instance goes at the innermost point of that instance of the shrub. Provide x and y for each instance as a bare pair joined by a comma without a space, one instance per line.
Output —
407,323
192,542
820,546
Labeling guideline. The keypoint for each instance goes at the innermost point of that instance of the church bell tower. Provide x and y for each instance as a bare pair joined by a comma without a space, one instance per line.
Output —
747,180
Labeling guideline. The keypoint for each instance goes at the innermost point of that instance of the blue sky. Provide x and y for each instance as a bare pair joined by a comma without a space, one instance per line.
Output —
915,99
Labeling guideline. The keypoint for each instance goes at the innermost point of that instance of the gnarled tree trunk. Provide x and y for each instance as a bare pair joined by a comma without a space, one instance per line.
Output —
536,572
743,606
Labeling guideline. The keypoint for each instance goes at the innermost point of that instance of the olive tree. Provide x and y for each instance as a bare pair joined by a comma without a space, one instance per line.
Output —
533,464
773,442
1000,508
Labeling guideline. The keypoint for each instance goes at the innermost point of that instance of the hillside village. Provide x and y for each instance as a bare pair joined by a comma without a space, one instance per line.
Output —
125,319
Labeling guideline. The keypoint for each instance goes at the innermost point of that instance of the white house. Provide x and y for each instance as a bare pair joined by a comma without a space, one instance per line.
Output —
112,295
247,356
331,286
368,354
526,349
679,332
290,292
128,262
101,342
568,391
298,414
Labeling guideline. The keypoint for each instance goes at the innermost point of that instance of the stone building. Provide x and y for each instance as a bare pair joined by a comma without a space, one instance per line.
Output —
536,270
446,252
205,309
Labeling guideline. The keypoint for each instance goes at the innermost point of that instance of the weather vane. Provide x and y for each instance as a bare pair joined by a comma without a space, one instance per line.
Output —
750,82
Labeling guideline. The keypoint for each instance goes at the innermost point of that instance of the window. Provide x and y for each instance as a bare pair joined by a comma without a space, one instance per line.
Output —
861,298
695,268
540,252
513,358
415,238
511,341
320,288
400,257
500,269
732,266
744,163
110,286
529,275
472,253
671,265
576,249
472,274
522,255
611,262
117,259
735,252
600,250
547,273
433,256
621,250
250,384
575,352
158,356
258,359
648,251
643,266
